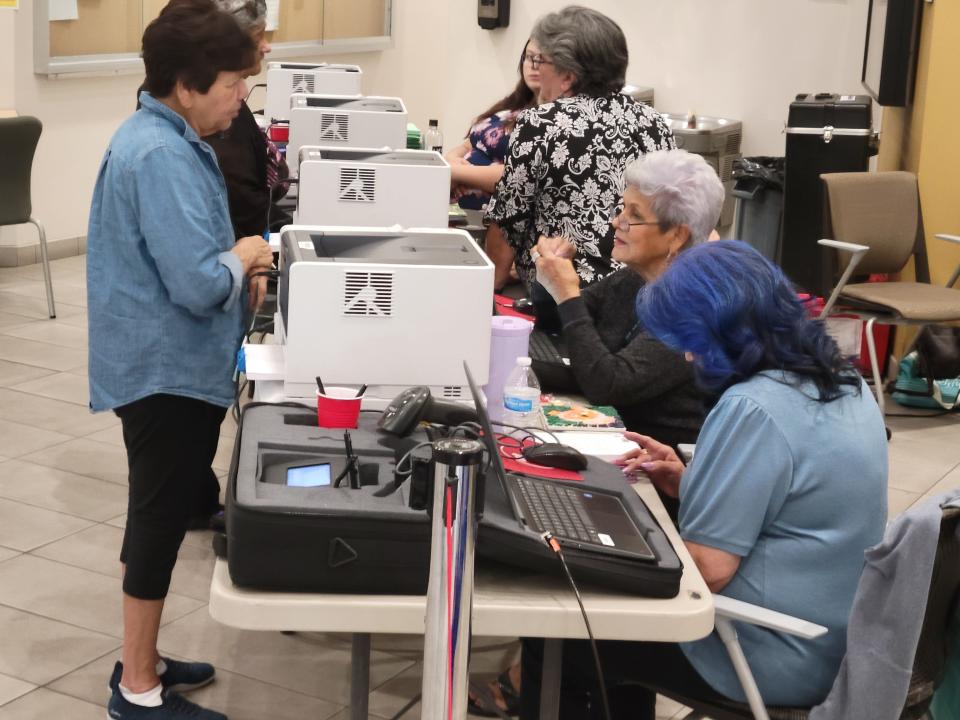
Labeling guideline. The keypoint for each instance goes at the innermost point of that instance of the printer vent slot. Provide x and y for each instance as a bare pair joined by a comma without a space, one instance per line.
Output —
334,127
452,392
368,294
358,184
303,83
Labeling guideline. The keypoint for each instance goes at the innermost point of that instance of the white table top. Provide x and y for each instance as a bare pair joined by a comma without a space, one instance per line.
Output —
507,603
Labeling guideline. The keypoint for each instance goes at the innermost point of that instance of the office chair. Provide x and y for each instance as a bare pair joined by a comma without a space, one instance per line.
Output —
18,143
876,227
929,662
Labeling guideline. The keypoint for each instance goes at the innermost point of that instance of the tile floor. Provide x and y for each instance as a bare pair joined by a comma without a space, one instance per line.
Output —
62,501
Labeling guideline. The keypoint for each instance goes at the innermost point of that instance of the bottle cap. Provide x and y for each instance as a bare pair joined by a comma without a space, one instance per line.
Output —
434,123
524,361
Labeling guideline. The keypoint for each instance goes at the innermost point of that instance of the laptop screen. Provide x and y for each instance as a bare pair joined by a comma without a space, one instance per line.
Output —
489,439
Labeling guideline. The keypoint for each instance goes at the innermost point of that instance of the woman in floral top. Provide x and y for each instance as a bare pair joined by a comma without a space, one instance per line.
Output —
476,164
564,173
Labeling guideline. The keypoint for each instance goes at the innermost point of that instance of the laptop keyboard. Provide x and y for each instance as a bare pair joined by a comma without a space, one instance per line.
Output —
543,350
557,509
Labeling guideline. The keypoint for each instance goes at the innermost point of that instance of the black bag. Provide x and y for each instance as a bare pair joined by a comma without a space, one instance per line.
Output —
938,352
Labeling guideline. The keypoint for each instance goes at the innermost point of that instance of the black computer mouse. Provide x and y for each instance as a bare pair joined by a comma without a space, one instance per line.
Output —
524,305
555,455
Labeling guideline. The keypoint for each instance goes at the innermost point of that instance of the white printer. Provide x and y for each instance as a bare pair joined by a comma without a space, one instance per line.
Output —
369,187
345,121
285,78
389,309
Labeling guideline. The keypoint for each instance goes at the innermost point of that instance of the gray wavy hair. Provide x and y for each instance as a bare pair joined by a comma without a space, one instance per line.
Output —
587,43
248,13
683,190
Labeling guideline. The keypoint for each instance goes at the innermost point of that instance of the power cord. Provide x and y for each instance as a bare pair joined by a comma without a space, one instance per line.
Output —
552,543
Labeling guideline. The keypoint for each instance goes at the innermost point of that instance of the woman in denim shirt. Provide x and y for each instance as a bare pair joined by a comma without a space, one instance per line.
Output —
166,293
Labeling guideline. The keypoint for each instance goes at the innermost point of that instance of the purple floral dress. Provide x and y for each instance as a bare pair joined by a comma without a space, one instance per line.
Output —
489,144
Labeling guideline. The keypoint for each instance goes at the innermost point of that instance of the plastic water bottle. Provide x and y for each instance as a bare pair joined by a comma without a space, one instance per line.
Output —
521,396
433,138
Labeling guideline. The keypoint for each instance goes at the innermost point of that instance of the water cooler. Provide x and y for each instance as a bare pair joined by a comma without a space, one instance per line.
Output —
718,141
826,133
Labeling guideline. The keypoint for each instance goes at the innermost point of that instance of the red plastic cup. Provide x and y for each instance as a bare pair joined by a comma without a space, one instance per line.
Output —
279,132
338,408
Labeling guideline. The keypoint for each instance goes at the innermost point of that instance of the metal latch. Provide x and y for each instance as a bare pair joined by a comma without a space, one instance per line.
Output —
828,133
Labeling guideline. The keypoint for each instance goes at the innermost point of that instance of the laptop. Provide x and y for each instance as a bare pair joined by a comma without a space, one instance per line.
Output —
590,520
548,348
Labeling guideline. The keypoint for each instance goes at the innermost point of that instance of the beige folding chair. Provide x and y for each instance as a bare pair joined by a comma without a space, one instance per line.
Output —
18,143
876,227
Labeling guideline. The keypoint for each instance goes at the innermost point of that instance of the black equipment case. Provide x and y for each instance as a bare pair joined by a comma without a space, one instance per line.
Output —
826,133
369,540
320,539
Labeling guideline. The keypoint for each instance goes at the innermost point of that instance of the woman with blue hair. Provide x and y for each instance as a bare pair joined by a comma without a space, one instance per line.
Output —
769,509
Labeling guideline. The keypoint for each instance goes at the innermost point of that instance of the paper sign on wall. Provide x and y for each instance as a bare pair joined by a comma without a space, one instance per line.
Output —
273,15
63,10
12,4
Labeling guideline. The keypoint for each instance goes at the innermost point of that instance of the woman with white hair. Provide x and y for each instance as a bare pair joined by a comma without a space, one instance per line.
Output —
565,167
672,201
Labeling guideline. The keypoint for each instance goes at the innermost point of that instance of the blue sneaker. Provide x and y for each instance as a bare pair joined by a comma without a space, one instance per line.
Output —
174,707
179,677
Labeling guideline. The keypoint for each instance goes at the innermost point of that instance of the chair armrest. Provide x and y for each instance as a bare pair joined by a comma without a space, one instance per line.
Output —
857,253
845,246
949,238
756,615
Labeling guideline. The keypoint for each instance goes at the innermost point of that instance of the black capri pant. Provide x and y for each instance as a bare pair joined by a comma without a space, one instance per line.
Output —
171,442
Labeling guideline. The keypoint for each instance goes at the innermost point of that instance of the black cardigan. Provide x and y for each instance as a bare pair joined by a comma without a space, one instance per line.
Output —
242,154
616,363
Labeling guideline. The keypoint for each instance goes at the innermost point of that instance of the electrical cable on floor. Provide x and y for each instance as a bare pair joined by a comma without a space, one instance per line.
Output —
554,545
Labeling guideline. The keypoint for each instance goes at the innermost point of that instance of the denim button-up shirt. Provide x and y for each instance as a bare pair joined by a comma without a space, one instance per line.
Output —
164,293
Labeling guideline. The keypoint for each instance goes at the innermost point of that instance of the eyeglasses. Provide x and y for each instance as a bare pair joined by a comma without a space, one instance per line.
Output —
620,222
535,60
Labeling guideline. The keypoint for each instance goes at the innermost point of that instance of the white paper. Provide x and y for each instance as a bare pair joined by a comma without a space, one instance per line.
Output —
63,10
273,15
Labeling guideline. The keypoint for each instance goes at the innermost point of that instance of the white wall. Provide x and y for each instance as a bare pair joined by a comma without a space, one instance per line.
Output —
743,59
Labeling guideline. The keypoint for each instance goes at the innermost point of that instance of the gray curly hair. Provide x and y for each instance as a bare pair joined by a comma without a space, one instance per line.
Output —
248,13
683,189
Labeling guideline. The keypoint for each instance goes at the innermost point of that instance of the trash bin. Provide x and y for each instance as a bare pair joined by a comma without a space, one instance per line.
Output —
758,188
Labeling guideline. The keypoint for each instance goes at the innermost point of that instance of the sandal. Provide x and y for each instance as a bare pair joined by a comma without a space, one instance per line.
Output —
511,698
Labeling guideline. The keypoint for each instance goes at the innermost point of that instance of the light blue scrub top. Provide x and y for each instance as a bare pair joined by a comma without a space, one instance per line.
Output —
798,490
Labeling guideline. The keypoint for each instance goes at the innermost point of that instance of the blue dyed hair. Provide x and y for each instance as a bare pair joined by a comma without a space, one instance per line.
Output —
738,315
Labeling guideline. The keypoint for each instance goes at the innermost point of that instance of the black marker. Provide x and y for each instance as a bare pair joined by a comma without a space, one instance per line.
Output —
360,392
320,386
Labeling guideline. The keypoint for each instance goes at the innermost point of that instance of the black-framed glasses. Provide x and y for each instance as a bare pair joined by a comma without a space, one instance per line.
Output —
619,220
535,60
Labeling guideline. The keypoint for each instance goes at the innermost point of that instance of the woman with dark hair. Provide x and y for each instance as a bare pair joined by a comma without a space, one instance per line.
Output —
564,172
476,164
252,166
167,285
786,491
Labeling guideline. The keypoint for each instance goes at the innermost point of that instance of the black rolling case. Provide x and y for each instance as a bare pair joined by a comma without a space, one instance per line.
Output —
826,133
369,540
319,539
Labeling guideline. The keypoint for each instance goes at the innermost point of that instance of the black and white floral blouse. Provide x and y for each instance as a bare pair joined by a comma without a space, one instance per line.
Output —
564,176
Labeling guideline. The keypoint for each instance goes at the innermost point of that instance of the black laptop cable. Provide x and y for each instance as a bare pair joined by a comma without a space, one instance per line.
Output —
552,543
